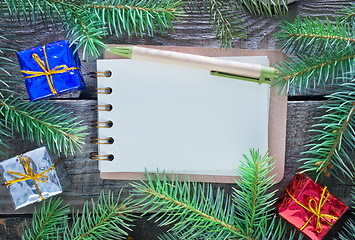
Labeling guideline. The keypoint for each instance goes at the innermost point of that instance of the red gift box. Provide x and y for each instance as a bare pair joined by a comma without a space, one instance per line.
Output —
309,207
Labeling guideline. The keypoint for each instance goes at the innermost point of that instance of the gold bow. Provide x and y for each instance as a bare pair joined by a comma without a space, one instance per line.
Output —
316,210
46,70
29,174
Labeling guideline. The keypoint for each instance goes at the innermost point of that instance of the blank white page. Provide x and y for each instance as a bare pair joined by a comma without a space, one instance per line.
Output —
180,119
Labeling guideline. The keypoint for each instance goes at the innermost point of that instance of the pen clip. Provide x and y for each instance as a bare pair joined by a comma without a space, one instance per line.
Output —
266,74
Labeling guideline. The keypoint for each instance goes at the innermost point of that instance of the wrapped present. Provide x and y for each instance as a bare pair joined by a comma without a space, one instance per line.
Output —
309,207
30,177
50,70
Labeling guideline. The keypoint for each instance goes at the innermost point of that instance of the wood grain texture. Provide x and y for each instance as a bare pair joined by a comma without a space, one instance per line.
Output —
193,30
11,227
80,176
143,229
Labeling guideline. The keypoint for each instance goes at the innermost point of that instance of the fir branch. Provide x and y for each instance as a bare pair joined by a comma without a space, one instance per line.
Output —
305,71
7,66
265,7
87,22
348,232
225,23
198,213
84,29
5,135
313,36
136,16
107,219
251,198
48,222
348,14
192,214
329,150
276,229
29,11
41,121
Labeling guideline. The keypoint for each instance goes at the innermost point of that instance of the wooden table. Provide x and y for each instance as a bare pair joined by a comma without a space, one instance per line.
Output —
80,175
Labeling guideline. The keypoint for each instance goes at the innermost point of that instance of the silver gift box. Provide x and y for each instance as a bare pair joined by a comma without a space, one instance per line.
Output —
24,192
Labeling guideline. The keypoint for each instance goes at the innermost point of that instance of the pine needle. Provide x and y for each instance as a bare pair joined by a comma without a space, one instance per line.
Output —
313,36
88,22
43,123
265,7
109,218
197,211
348,231
348,14
329,151
251,198
225,23
304,72
47,222
191,207
324,53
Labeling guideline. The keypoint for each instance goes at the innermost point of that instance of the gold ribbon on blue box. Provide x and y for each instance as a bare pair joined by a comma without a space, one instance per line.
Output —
30,177
50,70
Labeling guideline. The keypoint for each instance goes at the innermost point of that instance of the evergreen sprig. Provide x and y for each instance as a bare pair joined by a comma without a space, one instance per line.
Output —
312,36
348,14
43,123
324,53
83,29
193,208
348,232
307,71
136,17
252,199
7,65
198,212
108,218
330,150
88,22
47,222
265,7
225,23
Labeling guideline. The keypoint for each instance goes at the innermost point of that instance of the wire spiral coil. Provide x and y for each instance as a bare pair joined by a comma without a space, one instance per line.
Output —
102,124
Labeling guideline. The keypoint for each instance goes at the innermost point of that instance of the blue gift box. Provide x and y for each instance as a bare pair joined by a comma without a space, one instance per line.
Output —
50,70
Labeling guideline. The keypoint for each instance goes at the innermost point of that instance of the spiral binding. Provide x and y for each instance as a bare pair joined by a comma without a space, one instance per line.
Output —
106,90
97,157
107,73
106,124
100,108
95,140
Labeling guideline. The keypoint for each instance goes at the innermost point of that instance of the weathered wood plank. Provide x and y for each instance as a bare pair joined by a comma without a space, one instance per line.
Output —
143,229
11,227
80,176
193,30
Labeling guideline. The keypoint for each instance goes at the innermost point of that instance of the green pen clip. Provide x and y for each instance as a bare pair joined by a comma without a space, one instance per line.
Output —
267,73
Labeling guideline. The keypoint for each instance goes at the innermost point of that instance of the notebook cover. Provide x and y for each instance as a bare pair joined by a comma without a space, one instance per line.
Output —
277,114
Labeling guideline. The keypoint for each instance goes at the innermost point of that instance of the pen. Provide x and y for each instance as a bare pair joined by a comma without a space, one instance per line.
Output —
219,67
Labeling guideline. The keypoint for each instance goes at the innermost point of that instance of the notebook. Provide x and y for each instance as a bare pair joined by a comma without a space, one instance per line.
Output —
179,119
